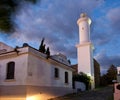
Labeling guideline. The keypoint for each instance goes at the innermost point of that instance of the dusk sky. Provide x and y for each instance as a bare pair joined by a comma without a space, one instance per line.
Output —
55,20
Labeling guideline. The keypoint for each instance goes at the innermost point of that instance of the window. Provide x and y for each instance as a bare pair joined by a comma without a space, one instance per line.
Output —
82,28
66,77
56,73
10,70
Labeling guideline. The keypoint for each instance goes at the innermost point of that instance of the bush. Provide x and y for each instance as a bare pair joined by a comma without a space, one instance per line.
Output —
82,77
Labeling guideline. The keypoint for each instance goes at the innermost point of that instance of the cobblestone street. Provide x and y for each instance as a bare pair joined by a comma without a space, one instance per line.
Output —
105,93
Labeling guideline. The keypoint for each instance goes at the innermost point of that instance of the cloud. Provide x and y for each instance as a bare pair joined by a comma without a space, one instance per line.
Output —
106,28
105,60
106,36
54,20
114,17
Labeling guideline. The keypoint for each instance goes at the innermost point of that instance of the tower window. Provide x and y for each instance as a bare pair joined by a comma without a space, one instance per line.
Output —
10,70
66,77
56,73
82,28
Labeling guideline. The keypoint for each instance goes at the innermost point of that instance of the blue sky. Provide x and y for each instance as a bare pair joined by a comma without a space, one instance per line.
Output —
55,20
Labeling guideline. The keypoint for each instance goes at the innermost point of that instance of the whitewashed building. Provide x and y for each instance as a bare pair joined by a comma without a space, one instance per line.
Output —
27,74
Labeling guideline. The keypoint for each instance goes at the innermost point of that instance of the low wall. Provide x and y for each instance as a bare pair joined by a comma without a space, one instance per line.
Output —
80,86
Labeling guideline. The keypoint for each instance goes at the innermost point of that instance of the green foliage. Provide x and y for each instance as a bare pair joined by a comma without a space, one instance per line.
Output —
43,50
82,77
48,52
111,74
42,46
7,10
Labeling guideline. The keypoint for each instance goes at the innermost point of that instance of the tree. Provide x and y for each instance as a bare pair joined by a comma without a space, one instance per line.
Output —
43,48
111,74
48,52
7,9
41,45
107,78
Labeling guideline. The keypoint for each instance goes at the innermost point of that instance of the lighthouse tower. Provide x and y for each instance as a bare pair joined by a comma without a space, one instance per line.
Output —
85,48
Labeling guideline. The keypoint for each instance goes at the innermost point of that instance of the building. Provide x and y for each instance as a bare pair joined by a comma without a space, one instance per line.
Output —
85,48
118,70
27,74
96,73
118,74
117,85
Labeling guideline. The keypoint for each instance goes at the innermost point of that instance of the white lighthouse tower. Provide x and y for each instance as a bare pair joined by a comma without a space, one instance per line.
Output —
85,48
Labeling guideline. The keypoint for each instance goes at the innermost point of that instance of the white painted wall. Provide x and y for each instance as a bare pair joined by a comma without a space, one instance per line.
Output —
118,70
20,70
5,48
80,86
32,68
42,71
85,60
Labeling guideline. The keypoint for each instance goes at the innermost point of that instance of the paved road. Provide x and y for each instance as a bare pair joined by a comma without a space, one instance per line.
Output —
98,94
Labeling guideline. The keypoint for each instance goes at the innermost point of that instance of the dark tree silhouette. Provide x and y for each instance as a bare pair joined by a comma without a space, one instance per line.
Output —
7,9
43,49
48,52
111,74
41,45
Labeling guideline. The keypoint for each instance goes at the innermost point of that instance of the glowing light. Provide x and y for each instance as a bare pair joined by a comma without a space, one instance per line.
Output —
31,98
88,74
35,97
89,21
